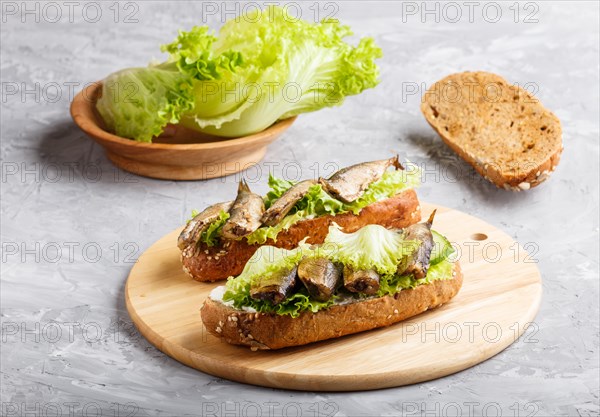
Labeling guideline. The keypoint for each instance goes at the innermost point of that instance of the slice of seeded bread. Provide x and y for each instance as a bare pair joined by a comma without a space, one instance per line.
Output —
504,132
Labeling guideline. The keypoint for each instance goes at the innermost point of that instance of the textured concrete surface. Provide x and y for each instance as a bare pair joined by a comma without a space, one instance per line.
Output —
72,224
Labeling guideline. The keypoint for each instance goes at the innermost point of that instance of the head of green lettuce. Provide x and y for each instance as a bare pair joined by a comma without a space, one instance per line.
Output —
264,66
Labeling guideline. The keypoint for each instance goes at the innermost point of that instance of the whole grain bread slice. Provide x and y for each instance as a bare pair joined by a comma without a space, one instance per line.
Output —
263,331
501,129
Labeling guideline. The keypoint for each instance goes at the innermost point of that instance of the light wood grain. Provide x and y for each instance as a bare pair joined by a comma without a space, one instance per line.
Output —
498,300
178,154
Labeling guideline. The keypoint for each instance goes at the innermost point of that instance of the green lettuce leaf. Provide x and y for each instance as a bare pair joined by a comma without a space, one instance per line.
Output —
440,271
196,55
371,247
193,54
138,103
292,306
281,66
318,203
296,304
211,235
278,186
262,234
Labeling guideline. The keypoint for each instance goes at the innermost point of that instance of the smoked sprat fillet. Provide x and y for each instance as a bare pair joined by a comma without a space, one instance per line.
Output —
500,129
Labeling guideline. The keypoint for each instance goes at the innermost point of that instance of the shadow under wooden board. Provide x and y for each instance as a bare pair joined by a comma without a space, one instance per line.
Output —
500,296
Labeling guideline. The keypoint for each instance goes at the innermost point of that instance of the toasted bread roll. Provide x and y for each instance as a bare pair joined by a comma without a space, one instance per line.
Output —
272,331
504,132
222,261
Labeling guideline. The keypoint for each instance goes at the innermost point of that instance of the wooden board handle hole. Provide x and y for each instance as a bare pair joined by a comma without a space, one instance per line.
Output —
479,236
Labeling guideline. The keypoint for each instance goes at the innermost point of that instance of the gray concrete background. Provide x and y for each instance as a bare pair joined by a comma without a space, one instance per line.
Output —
67,341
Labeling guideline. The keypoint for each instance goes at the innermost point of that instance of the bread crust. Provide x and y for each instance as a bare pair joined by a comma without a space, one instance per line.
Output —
263,331
222,261
459,114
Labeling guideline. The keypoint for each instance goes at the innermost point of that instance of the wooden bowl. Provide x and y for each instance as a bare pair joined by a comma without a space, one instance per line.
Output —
179,153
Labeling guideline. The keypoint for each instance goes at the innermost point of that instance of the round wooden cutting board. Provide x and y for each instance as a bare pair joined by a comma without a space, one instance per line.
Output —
500,296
